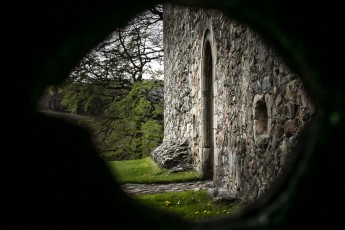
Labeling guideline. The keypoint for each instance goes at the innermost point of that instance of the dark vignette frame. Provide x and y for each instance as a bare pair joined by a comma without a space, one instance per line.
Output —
44,41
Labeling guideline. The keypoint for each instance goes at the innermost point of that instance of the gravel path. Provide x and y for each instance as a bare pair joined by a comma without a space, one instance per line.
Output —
136,189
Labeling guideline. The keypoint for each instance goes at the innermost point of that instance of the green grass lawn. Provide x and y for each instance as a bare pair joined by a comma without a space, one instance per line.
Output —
147,171
192,206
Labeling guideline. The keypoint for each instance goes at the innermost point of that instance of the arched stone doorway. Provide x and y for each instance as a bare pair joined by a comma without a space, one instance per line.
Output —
207,108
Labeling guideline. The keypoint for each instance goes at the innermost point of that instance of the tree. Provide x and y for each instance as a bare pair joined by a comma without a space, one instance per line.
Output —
118,87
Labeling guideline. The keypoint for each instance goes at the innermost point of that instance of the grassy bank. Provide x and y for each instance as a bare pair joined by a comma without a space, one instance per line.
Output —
147,171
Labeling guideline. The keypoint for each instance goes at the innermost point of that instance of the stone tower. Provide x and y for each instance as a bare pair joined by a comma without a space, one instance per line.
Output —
233,110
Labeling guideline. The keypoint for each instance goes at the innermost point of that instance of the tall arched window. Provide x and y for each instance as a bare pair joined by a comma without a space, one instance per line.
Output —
208,108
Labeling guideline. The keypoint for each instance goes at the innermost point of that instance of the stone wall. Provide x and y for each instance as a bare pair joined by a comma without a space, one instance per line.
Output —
231,99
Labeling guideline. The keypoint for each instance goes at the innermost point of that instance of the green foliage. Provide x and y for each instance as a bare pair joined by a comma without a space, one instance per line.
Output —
194,206
145,170
109,86
86,98
70,98
129,124
152,134
138,124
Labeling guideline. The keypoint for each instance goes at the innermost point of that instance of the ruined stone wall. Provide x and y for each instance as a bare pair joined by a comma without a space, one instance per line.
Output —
258,107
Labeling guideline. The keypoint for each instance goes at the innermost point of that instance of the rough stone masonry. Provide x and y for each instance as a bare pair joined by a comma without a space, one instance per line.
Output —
233,110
